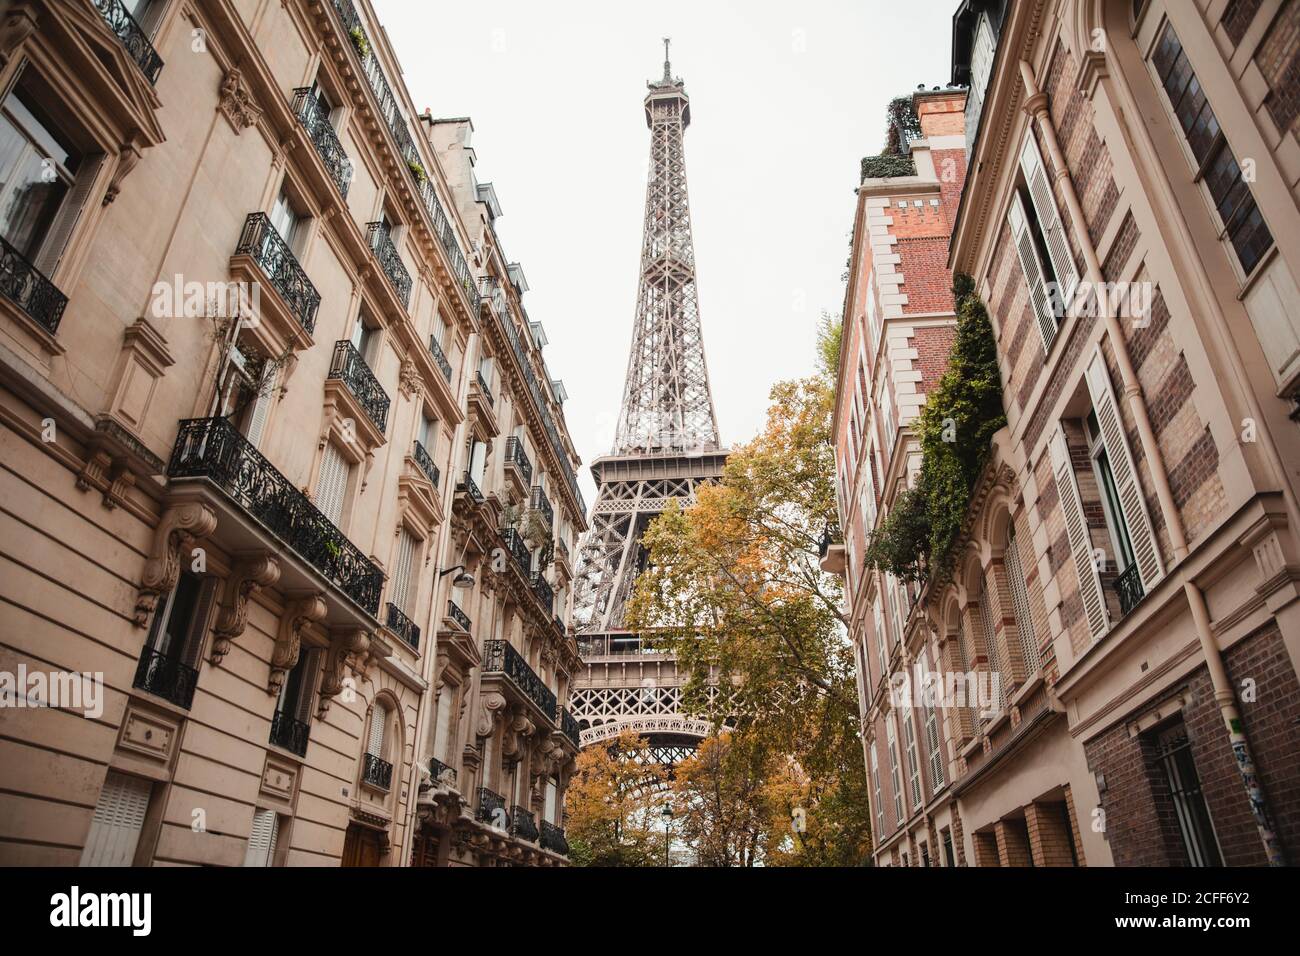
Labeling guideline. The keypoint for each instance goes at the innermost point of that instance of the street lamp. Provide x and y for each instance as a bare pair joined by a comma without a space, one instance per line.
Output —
667,814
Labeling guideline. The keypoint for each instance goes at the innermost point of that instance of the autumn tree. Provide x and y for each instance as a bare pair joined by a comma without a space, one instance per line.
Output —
610,806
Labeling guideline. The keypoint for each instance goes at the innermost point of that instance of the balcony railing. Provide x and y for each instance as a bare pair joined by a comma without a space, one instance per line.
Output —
213,448
25,285
403,626
500,657
470,487
492,808
518,549
351,369
460,617
166,677
441,773
290,733
264,245
440,358
483,387
381,244
422,458
377,772
515,455
559,624
323,137
569,725
523,823
540,503
829,537
132,37
1128,587
545,593
553,839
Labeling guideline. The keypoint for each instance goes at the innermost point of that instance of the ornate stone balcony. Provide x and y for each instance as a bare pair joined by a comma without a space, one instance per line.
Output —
133,38
351,369
500,659
323,137
26,287
381,244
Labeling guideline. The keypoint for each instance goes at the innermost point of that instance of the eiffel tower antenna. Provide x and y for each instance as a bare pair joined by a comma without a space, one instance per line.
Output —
666,446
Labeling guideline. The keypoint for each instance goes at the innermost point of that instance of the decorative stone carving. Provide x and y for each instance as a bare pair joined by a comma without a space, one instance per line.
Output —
127,159
179,528
347,649
19,23
246,578
297,614
491,708
236,102
409,380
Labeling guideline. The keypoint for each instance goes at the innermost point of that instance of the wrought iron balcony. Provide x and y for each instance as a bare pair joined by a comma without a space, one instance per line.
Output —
468,485
544,592
381,244
351,369
166,677
483,387
515,455
24,285
377,772
492,808
559,624
323,137
440,358
441,773
553,839
518,549
132,37
290,733
500,657
213,448
540,503
460,617
829,537
422,458
1128,587
569,724
447,238
260,242
403,626
523,823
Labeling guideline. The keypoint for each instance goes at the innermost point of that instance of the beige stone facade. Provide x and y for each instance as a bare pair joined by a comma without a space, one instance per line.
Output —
1129,563
284,474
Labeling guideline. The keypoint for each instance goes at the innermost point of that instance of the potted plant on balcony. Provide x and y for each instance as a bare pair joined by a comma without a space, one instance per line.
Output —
360,41
417,170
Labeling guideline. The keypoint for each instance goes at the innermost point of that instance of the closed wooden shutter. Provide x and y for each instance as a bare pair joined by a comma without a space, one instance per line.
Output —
1020,603
1027,252
895,773
913,759
375,740
119,815
69,214
1141,536
1076,527
402,566
1049,218
332,485
882,643
197,631
261,841
310,662
262,407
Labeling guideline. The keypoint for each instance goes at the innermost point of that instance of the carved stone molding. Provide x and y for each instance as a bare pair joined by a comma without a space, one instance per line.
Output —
248,576
179,528
491,708
236,102
348,649
297,614
409,380
127,159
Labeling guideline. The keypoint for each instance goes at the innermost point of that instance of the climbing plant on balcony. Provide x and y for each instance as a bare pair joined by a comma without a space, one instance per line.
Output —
916,537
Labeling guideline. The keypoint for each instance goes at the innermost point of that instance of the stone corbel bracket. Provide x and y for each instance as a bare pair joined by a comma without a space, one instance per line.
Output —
180,527
491,709
249,575
349,649
298,613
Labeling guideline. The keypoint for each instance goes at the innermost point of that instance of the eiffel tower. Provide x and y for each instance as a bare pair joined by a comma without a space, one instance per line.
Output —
665,447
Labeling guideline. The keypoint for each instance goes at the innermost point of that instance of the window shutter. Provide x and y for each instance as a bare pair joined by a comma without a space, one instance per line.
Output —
895,774
1028,255
262,407
402,571
1136,519
913,760
197,631
115,827
1076,527
69,214
261,841
375,742
1020,602
307,687
332,484
1049,218
875,789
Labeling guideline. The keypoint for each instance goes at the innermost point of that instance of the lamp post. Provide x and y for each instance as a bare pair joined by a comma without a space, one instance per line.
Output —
667,814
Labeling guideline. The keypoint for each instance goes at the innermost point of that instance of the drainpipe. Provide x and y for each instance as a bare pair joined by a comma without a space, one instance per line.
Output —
1036,106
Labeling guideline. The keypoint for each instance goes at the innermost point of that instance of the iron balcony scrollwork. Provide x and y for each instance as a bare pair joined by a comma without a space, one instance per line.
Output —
403,626
290,733
542,505
483,387
260,242
440,358
500,657
553,839
492,808
1128,587
523,823
213,448
167,677
460,617
29,289
425,462
351,369
132,37
518,549
569,725
545,593
441,773
516,456
377,772
323,137
470,487
381,244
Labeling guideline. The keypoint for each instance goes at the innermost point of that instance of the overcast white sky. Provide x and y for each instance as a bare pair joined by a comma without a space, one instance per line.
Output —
785,100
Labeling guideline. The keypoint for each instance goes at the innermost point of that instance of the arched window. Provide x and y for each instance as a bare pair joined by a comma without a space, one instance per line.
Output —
995,663
377,771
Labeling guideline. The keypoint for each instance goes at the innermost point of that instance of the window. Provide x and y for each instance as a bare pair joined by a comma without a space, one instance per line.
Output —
287,220
332,485
925,854
1243,224
1076,528
364,337
262,838
932,742
291,723
427,433
895,772
477,461
1038,233
1121,546
981,67
443,743
885,403
1020,604
378,726
117,821
169,662
1174,752
404,587
913,760
996,668
877,799
949,857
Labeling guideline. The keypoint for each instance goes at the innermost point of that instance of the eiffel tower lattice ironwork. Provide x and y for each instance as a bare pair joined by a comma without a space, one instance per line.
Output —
666,446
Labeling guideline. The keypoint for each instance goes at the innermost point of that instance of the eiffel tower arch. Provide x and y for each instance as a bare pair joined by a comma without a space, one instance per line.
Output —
666,446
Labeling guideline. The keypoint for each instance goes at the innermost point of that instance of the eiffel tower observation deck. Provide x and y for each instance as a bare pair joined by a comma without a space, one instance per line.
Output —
665,447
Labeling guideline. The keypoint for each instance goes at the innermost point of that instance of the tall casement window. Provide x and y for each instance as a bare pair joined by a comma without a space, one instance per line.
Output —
1038,233
1020,603
288,221
882,639
119,817
895,770
291,722
405,588
1216,168
877,798
332,484
477,461
365,337
1174,753
933,751
377,767
169,663
913,756
983,49
997,667
950,859
262,838
444,738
